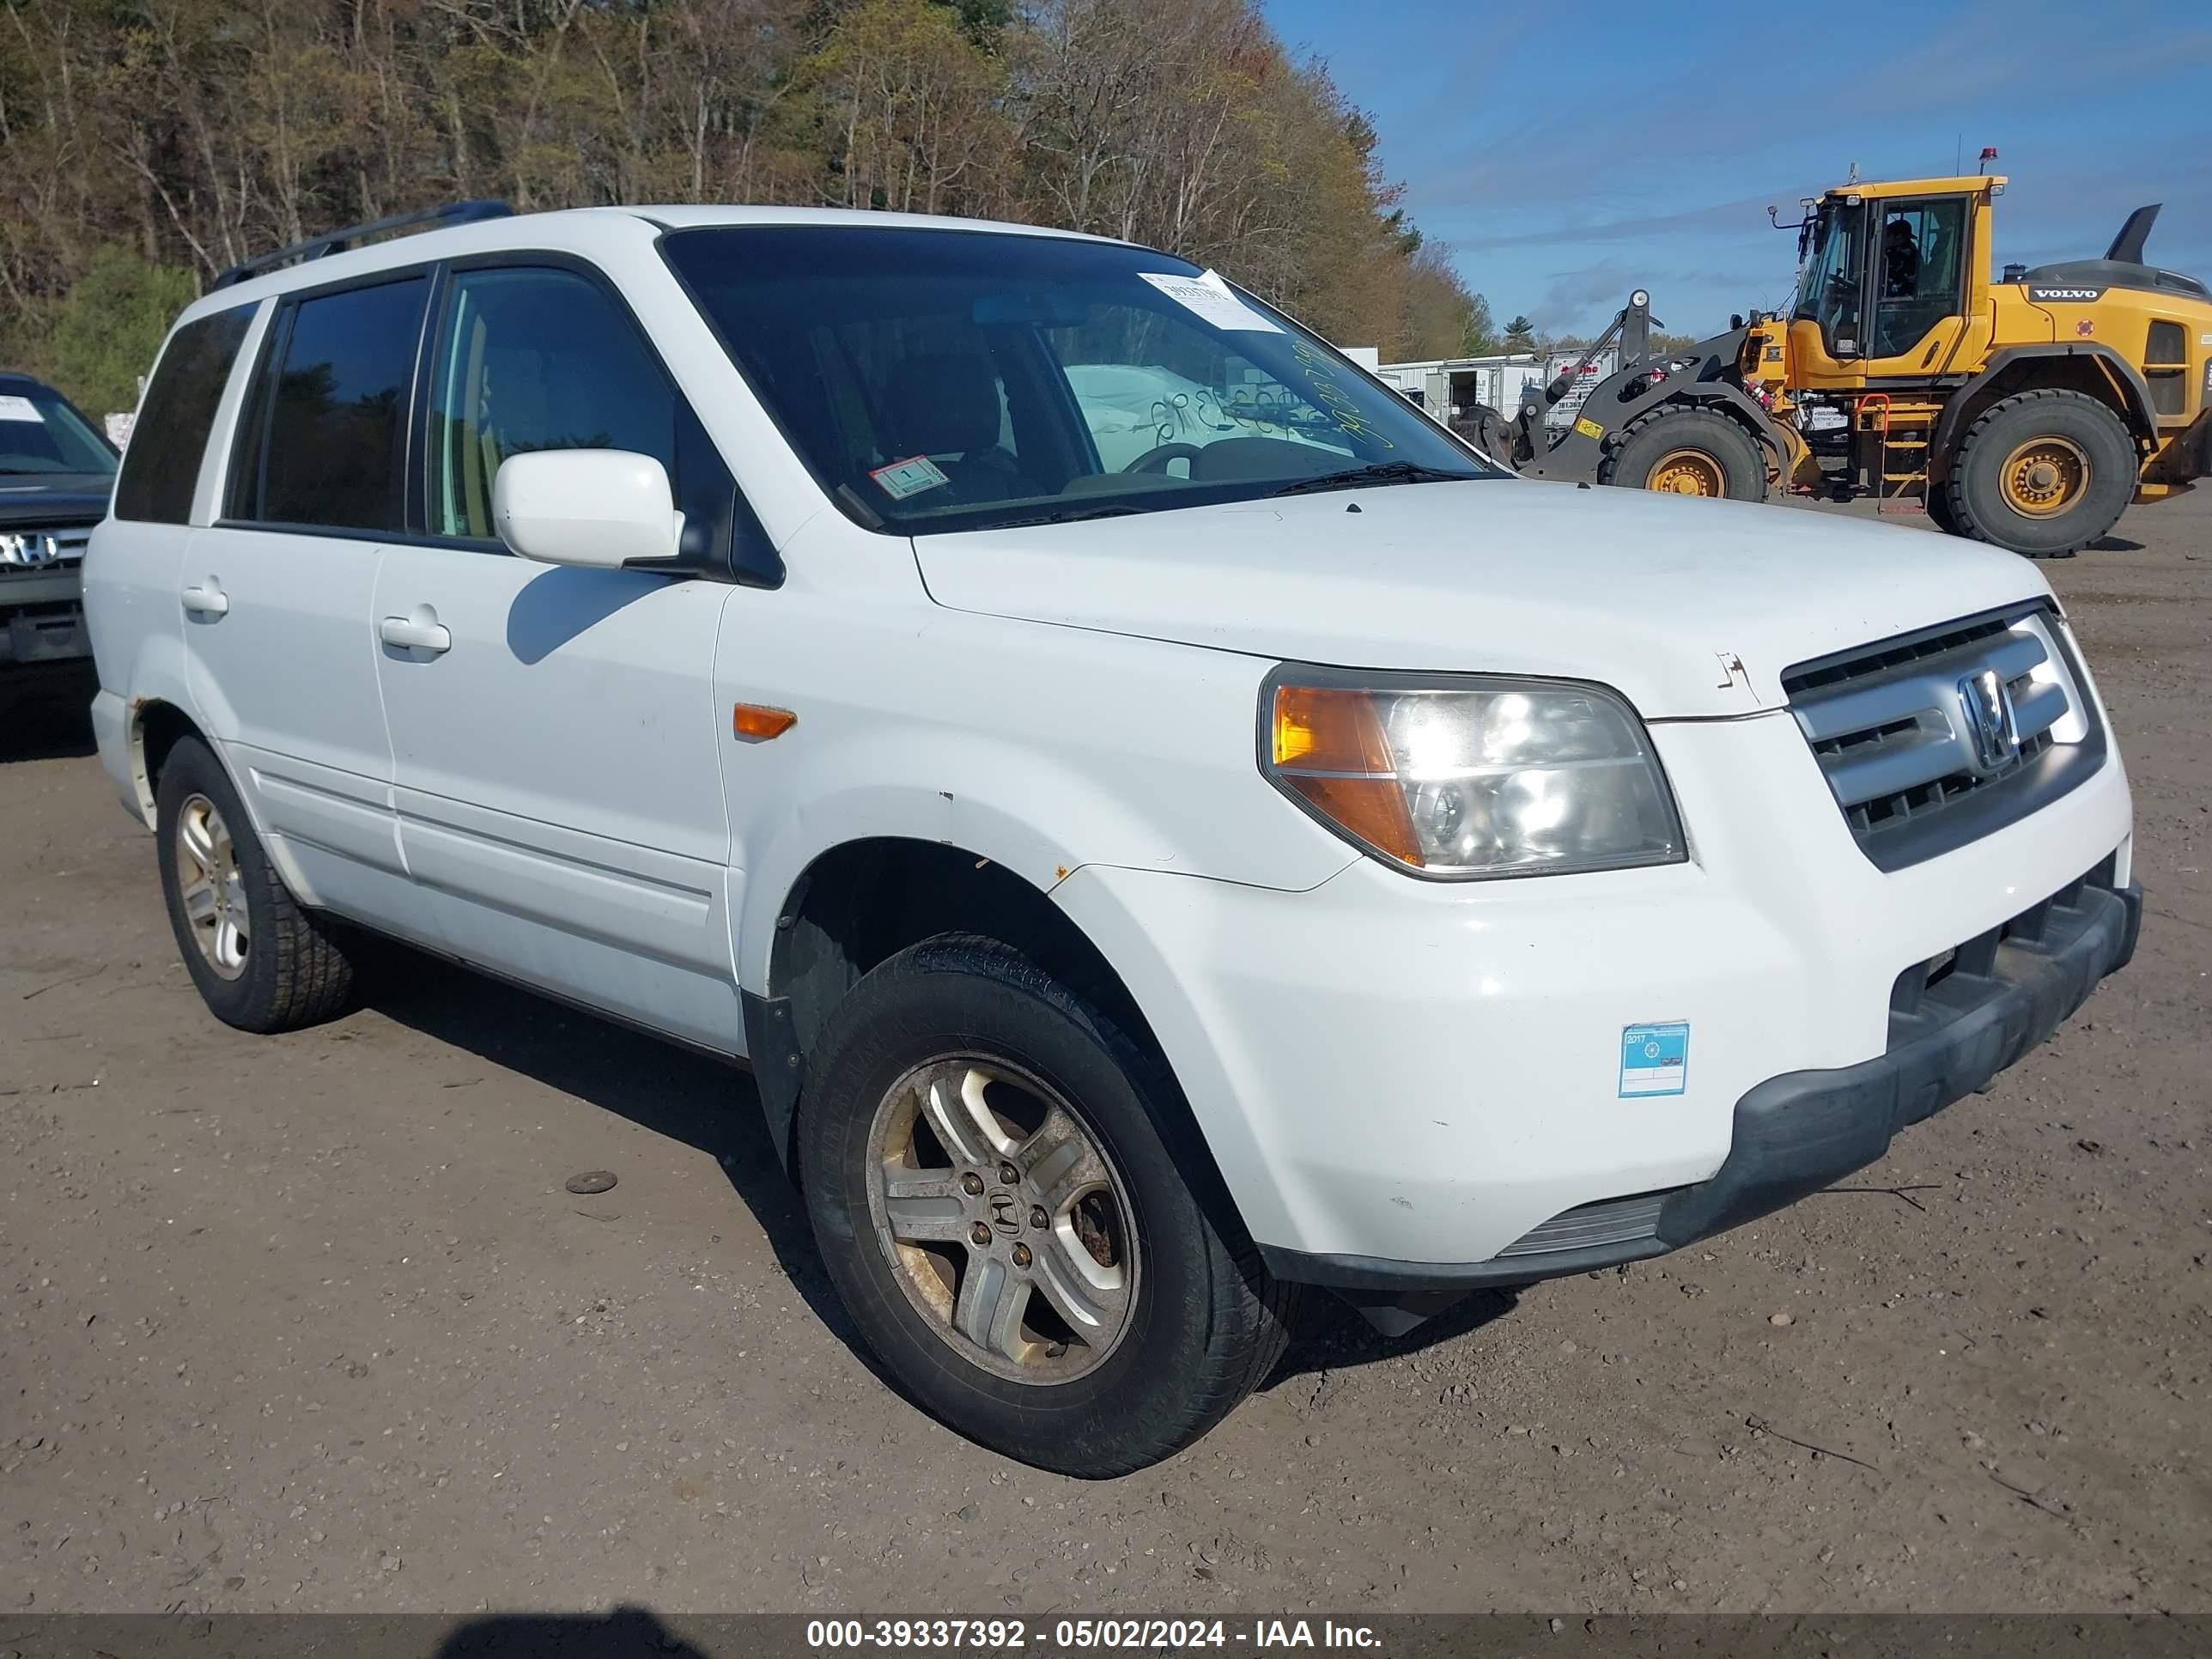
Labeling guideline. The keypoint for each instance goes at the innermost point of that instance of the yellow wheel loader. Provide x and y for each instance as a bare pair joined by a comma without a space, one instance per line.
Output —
2027,411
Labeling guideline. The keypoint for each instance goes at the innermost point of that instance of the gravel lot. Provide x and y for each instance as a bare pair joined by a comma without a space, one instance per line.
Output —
310,1324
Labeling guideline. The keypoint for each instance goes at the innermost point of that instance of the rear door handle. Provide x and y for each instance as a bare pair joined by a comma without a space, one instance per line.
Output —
419,630
206,600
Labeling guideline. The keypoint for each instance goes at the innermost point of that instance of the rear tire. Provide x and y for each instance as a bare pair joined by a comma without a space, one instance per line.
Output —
1195,1323
2044,474
261,961
1683,451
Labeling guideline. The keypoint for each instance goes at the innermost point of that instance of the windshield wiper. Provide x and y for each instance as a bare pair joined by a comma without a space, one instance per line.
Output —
1066,516
1376,472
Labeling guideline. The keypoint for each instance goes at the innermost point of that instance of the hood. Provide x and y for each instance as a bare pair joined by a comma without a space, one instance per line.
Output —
1690,608
52,500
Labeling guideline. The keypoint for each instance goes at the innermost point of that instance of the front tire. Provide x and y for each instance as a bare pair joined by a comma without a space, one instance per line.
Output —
2043,474
261,963
1682,451
993,1170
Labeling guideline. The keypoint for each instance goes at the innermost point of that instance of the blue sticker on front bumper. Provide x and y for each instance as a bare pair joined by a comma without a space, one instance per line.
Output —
1655,1059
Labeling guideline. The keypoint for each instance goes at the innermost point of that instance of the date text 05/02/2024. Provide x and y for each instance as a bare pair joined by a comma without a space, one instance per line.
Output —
1153,1634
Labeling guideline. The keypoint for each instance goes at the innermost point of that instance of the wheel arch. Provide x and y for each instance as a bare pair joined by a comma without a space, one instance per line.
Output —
1717,397
2094,370
1710,396
156,726
862,901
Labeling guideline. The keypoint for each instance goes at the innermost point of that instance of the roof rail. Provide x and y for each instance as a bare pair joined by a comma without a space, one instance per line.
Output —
453,213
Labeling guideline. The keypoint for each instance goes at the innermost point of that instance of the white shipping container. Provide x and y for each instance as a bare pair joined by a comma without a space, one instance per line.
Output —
1450,385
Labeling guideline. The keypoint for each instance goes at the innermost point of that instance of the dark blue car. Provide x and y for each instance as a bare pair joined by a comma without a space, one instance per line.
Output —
56,472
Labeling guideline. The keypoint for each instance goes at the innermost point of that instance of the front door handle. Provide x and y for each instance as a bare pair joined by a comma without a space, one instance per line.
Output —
206,600
419,630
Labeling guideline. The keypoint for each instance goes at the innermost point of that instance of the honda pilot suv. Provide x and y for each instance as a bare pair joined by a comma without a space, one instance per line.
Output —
1165,823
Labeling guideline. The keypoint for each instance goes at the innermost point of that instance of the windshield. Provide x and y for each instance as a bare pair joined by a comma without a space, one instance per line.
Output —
1828,276
40,433
952,379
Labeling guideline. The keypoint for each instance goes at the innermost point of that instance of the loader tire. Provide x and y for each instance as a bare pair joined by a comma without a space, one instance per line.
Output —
1939,511
1680,451
2043,474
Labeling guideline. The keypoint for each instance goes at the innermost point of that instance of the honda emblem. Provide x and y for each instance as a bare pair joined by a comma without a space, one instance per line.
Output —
1990,722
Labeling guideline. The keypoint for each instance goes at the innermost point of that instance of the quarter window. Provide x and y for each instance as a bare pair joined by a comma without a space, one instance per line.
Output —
530,359
326,447
161,474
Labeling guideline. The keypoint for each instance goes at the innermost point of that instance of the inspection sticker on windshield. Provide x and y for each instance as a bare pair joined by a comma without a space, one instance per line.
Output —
1655,1059
909,477
1211,300
20,408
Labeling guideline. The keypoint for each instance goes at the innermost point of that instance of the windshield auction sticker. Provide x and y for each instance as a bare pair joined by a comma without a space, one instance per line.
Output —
909,477
1211,299
20,408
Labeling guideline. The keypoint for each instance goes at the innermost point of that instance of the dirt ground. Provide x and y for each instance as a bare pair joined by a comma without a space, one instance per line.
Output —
310,1324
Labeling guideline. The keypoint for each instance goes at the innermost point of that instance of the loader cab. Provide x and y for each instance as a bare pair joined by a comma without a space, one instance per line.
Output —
1889,287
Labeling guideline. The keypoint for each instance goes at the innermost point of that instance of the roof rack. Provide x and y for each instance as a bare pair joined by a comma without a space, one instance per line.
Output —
453,213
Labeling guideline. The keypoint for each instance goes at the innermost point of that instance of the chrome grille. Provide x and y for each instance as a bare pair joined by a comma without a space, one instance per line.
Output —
1904,746
44,550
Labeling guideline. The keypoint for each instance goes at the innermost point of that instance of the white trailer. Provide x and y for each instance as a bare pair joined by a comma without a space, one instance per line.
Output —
1447,386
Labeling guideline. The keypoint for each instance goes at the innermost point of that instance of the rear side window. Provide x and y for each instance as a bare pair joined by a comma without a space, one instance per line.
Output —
163,467
324,445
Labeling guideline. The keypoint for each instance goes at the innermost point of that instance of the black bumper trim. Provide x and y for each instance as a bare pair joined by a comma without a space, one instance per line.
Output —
1801,1132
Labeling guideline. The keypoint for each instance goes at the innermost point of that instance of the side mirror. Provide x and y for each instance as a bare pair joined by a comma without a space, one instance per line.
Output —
601,509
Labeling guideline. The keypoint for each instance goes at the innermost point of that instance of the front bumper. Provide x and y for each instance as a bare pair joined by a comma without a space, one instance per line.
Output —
1419,1079
2002,994
42,618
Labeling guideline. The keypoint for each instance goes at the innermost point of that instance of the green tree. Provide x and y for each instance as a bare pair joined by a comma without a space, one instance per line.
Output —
200,133
1520,334
109,325
1480,337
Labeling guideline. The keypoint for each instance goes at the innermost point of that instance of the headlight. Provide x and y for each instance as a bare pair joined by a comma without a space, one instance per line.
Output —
1467,776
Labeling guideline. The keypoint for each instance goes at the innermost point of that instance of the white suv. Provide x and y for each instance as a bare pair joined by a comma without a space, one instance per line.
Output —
1285,853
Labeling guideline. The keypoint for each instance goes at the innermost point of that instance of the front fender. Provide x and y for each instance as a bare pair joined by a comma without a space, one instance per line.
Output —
1039,747
1041,815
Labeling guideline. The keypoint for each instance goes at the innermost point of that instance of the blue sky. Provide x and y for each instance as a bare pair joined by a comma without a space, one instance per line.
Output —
1568,152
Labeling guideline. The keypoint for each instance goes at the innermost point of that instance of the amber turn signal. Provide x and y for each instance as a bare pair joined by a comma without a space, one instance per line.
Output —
756,722
1329,747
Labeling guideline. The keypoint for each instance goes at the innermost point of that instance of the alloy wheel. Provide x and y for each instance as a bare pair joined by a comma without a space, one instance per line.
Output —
211,886
1003,1219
